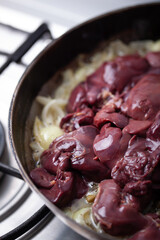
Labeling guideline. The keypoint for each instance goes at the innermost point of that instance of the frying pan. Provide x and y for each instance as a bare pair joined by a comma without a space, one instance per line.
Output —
134,23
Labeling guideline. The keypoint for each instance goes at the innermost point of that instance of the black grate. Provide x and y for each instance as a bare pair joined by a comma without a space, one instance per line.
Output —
28,43
43,212
37,217
2,140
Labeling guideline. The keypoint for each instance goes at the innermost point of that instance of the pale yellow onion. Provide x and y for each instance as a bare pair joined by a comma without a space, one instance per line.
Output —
48,134
43,100
156,46
53,112
43,136
66,87
37,150
82,216
36,128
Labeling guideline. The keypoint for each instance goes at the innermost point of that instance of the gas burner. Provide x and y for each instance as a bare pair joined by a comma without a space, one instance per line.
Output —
22,213
12,203
13,191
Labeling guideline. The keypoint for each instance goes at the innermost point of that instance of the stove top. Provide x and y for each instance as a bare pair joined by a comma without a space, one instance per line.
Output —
19,207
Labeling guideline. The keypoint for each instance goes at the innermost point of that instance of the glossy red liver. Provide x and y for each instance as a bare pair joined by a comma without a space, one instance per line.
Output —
112,137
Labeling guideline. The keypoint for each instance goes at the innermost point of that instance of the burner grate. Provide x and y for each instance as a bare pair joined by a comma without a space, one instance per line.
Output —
22,214
36,218
32,38
43,215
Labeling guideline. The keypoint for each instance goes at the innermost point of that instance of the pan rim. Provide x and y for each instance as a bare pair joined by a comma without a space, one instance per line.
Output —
84,231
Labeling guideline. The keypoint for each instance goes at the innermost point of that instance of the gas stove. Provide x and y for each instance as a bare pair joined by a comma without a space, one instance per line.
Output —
23,36
22,214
